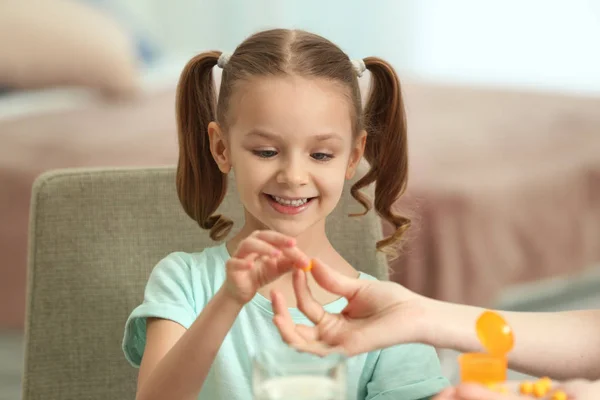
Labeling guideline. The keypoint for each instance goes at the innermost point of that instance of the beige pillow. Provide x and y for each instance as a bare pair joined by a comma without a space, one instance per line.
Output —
51,43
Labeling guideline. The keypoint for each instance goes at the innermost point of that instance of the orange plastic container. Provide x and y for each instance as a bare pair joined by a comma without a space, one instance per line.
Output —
497,338
482,368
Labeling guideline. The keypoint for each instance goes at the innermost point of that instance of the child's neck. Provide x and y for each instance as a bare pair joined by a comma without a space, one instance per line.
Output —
313,242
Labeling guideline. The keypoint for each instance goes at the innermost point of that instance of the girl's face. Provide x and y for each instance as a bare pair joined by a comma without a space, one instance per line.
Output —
290,144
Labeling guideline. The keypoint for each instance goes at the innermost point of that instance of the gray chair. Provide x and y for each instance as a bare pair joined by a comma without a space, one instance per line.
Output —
95,235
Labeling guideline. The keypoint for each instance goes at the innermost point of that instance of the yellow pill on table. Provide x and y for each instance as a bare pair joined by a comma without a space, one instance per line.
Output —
559,395
526,388
540,389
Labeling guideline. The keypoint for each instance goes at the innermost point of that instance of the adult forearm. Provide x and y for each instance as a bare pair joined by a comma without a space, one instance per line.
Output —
182,371
562,345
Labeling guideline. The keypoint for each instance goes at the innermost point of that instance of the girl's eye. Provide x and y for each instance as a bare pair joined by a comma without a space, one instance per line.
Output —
265,153
322,156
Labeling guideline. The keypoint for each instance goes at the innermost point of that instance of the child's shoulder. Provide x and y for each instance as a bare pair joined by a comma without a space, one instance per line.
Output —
206,264
209,255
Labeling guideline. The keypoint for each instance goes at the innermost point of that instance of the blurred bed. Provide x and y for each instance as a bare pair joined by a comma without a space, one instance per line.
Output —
505,190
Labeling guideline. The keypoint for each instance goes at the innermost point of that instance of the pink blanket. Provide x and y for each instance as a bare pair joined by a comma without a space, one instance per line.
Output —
504,188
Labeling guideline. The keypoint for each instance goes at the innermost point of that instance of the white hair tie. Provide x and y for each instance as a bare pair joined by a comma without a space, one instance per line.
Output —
359,66
223,59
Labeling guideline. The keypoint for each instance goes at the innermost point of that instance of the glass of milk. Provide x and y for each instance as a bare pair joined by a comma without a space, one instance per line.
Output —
286,374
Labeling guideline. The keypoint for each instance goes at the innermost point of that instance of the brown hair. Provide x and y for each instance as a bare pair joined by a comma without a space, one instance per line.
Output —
201,186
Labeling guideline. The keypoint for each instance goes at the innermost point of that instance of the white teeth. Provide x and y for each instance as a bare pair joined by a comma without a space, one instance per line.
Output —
293,203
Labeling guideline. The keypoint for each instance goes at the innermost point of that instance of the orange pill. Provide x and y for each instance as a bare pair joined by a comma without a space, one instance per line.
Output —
559,395
308,267
540,389
526,388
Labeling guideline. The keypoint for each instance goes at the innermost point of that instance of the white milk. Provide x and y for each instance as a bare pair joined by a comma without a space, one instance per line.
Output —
300,387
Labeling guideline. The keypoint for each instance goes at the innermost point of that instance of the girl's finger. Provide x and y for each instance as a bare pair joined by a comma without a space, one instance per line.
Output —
282,265
252,257
296,256
256,245
239,264
306,302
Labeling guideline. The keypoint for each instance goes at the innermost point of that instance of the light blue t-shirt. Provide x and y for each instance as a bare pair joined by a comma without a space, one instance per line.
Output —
181,285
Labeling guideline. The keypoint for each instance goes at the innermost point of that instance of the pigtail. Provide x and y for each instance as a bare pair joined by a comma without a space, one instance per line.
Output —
386,148
201,186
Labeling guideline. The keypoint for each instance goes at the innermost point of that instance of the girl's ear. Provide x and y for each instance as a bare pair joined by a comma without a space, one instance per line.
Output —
219,147
357,152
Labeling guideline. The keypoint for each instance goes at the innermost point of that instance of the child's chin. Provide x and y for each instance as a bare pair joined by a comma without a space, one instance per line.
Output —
294,228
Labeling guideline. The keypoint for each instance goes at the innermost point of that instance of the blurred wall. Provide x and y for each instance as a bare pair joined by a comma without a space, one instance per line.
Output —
546,44
552,44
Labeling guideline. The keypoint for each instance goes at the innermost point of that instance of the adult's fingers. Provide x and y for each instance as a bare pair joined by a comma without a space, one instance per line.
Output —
478,392
319,348
446,394
283,320
306,302
333,281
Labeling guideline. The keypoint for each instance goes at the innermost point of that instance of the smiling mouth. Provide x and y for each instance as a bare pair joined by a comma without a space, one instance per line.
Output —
296,202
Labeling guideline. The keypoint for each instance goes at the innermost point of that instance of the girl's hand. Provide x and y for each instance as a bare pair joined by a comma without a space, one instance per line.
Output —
379,314
259,259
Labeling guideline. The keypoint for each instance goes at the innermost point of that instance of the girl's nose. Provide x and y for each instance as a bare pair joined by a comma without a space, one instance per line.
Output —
293,173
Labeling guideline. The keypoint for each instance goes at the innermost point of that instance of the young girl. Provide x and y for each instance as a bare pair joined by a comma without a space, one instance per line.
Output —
290,123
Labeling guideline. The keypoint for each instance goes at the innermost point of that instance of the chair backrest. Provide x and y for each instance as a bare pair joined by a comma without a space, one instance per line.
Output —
95,235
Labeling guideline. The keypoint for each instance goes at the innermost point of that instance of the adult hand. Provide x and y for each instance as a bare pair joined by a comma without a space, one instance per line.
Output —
379,314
